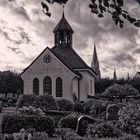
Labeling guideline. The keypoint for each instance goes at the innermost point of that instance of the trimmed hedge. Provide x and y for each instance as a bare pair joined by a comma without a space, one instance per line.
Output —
15,122
26,100
70,121
46,102
65,105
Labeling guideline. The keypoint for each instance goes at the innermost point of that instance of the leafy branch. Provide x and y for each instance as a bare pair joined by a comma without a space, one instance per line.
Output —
100,7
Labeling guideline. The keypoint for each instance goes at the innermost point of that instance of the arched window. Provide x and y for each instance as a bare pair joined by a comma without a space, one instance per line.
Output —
36,86
47,85
59,87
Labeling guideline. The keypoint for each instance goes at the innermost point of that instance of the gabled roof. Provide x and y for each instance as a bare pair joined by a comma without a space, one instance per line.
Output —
75,72
63,25
70,57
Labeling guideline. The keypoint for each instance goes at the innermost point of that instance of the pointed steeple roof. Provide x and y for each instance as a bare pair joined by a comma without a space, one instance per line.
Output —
63,25
95,58
115,75
95,62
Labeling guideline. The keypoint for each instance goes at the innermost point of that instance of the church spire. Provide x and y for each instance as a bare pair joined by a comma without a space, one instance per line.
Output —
63,14
95,63
115,75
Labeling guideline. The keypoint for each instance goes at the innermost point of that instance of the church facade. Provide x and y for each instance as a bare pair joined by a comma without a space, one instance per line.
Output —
60,71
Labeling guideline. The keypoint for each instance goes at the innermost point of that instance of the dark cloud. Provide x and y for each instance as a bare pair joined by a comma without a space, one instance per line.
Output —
5,34
124,58
15,50
136,51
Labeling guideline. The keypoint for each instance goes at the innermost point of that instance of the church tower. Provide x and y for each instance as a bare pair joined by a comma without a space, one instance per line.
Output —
95,63
63,33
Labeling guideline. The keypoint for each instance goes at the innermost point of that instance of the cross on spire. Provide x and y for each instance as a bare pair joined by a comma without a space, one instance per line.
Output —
63,15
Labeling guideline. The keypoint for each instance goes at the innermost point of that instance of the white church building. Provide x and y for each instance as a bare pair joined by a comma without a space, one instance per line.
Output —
60,71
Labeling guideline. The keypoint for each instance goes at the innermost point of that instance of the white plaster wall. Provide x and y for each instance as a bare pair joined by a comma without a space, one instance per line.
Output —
75,86
84,85
54,69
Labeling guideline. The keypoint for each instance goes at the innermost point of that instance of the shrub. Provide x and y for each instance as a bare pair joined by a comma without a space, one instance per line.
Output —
45,124
26,100
112,112
62,131
30,110
78,107
40,136
87,109
15,122
19,136
8,137
47,102
102,130
70,121
121,91
65,105
129,118
128,137
95,106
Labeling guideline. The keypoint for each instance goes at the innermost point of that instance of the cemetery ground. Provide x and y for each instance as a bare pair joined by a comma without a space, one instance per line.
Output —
45,118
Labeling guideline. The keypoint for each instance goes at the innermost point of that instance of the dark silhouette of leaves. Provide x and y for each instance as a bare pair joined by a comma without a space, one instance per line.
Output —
99,7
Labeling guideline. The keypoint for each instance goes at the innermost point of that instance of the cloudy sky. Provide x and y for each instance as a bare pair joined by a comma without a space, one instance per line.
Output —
25,31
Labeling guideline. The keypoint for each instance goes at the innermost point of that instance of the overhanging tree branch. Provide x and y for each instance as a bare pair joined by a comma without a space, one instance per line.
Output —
100,7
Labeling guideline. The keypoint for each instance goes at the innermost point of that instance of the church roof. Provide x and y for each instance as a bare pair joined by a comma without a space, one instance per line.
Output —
63,25
70,57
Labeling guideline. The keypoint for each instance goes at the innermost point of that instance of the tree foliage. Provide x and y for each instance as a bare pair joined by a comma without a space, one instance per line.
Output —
10,82
121,91
115,8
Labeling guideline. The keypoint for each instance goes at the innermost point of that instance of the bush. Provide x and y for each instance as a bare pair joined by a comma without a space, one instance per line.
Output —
30,110
62,131
112,112
87,109
47,102
8,137
78,107
95,107
26,100
15,122
128,137
70,121
45,124
129,118
40,136
65,105
102,130
19,136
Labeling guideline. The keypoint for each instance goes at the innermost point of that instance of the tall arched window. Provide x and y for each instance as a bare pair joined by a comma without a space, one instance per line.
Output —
47,85
59,87
36,86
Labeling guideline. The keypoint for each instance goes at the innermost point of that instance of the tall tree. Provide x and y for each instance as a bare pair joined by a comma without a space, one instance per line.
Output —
10,82
115,8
